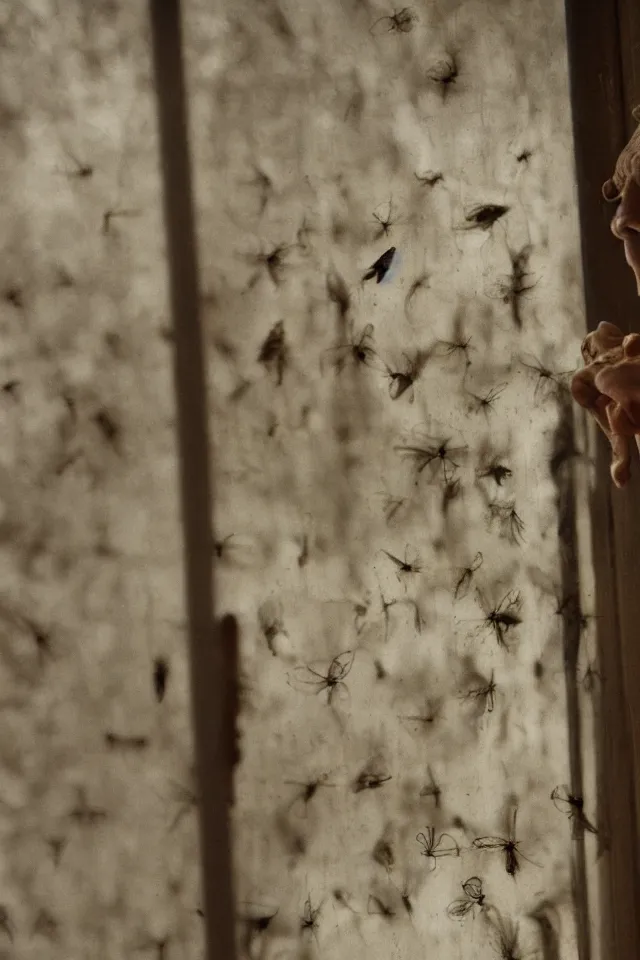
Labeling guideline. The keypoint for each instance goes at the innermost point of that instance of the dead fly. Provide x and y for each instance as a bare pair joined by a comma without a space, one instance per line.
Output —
510,523
309,790
508,845
590,678
386,606
570,610
274,262
116,741
338,293
274,352
409,566
381,267
433,849
504,616
573,807
450,493
115,214
458,345
309,918
546,379
507,937
359,351
420,283
485,694
186,799
377,907
160,677
484,403
270,618
424,455
466,576
444,72
83,813
524,156
332,680
371,778
383,854
424,720
402,380
483,216
256,919
386,223
473,897
495,470
432,789
429,179
510,287
81,171
401,21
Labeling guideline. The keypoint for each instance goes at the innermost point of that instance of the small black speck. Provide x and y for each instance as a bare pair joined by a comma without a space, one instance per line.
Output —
538,670
160,677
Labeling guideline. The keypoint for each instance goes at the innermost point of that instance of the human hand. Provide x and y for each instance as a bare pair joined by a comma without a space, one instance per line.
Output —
609,388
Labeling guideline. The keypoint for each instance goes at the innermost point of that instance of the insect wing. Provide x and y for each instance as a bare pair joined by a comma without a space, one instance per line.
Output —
459,909
473,888
490,843
452,850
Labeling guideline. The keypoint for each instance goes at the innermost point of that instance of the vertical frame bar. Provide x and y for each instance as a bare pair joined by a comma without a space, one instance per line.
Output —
601,128
212,647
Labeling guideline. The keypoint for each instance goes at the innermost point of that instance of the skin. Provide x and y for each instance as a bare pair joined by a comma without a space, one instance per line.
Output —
609,385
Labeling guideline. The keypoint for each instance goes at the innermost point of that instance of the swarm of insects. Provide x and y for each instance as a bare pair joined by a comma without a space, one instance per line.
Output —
573,808
332,680
433,849
473,897
401,21
509,846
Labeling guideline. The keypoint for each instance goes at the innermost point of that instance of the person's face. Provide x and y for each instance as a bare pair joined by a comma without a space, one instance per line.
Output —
626,226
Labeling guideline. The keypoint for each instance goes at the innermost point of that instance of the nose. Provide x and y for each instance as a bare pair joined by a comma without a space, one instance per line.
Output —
626,220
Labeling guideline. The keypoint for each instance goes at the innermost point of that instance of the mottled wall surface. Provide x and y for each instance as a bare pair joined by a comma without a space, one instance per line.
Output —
386,467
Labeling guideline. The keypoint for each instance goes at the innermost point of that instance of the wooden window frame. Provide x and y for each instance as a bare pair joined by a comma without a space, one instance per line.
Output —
603,42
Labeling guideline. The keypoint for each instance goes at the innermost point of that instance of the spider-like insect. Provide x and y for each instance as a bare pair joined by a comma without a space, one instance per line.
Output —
547,380
401,21
371,778
432,789
332,680
573,807
507,937
410,565
496,471
402,380
424,454
502,617
483,403
429,178
459,344
424,720
385,223
483,216
309,918
473,897
274,352
508,845
388,604
433,848
444,72
509,520
338,293
377,907
466,576
484,694
381,267
308,790
187,800
274,262
358,351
